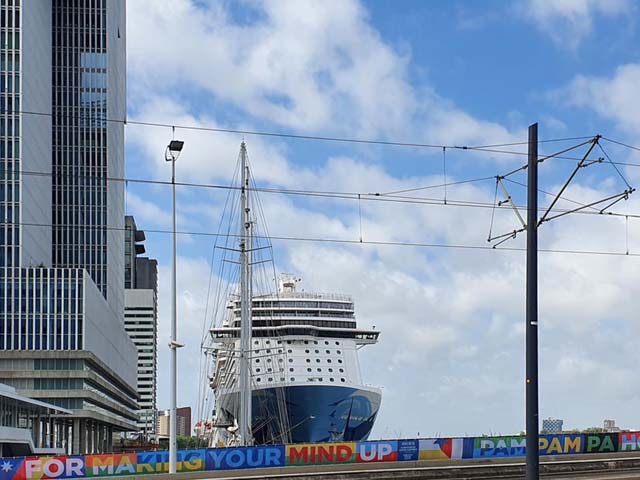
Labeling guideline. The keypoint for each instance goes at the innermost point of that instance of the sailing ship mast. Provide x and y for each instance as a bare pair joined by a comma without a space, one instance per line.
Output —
244,417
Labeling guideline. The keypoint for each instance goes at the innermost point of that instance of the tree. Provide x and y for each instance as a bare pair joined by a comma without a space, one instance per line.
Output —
190,443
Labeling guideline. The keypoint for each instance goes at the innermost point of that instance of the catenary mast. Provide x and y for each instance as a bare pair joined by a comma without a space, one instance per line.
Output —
244,418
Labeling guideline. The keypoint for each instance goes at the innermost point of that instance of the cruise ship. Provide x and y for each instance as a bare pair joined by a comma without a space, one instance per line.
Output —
306,384
284,362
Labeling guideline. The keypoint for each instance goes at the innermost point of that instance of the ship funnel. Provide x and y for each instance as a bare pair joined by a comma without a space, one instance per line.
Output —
287,282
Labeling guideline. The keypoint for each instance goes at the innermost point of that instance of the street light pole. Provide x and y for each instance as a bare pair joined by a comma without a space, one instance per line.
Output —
171,155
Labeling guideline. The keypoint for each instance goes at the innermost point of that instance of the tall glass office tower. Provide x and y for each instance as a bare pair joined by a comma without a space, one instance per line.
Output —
62,331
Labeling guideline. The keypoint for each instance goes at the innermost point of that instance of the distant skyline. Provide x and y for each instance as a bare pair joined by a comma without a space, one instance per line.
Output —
451,352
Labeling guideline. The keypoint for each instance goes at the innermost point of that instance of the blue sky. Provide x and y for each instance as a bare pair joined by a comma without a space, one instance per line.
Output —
450,358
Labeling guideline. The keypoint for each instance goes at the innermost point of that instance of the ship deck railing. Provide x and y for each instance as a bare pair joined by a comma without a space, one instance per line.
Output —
340,297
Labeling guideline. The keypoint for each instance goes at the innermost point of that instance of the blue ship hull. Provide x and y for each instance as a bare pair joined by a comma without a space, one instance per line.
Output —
316,413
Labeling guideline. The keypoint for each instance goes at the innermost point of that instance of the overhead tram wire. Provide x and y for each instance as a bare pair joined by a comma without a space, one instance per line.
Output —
614,166
357,241
575,202
566,139
394,143
622,144
428,187
489,148
374,197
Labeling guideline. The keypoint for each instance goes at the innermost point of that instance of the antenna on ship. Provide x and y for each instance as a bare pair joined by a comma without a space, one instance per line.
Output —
244,418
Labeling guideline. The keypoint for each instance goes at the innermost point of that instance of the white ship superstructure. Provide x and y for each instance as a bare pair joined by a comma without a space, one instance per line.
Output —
305,374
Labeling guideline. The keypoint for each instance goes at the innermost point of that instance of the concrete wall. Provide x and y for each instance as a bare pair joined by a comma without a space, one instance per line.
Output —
139,297
116,110
105,335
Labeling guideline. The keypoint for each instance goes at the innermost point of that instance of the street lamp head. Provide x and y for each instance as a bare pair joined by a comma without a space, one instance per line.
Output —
173,150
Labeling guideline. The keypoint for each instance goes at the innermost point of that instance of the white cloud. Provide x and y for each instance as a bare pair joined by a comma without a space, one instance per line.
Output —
568,22
305,65
146,211
615,97
451,351
302,64
452,322
192,283
207,156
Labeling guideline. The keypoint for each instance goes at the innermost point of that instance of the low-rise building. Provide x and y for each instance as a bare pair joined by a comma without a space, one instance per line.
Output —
29,426
610,426
183,422
552,425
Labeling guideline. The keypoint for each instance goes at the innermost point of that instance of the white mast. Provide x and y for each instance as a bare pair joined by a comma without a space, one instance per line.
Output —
244,420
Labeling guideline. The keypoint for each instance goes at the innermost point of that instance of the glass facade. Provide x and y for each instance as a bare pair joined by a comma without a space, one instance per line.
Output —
129,254
9,134
43,309
59,57
79,196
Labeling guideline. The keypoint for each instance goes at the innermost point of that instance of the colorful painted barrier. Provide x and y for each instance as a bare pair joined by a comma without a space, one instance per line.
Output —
212,459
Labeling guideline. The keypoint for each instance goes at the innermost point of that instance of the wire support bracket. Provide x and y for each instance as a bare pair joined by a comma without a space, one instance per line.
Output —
616,198
580,165
547,215
507,201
